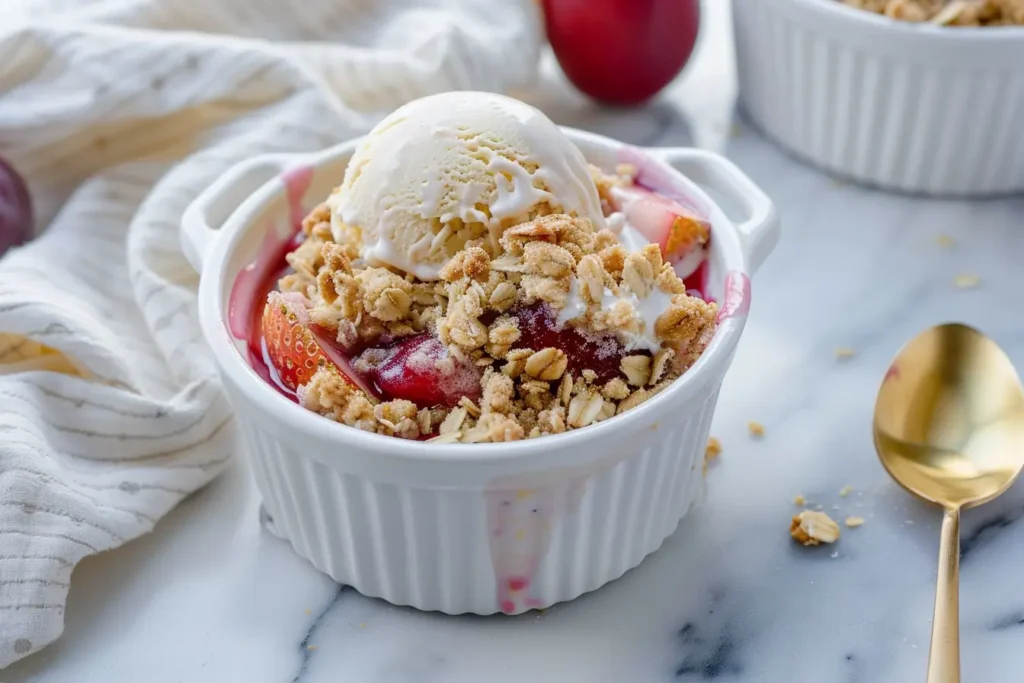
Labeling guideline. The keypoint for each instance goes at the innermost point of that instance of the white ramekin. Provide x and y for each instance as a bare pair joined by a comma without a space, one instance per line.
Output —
909,107
473,528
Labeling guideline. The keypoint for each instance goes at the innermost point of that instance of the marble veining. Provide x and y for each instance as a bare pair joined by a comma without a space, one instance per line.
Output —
308,646
211,596
987,531
710,644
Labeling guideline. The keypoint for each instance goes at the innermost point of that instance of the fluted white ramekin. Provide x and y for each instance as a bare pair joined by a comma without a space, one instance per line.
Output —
903,106
477,528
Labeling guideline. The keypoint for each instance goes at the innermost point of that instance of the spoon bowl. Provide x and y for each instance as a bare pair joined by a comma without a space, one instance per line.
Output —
949,428
949,419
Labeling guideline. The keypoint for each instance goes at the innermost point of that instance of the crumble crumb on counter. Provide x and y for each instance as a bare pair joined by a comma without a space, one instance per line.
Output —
966,281
813,528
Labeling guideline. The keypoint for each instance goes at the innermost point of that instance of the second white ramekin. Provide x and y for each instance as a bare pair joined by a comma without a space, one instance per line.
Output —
909,107
477,528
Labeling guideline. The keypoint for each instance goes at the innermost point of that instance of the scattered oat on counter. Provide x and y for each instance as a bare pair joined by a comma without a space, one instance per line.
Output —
945,241
844,353
711,452
966,281
756,428
311,647
800,500
854,522
813,528
845,491
309,611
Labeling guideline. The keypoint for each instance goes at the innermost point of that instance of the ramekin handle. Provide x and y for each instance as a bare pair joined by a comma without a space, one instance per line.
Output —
759,231
208,212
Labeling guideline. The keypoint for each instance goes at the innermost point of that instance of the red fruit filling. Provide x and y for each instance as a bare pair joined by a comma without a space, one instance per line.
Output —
539,329
418,369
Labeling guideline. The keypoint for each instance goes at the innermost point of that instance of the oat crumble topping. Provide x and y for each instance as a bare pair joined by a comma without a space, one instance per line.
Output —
523,392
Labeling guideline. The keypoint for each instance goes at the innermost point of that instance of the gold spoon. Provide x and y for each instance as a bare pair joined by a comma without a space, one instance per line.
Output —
949,428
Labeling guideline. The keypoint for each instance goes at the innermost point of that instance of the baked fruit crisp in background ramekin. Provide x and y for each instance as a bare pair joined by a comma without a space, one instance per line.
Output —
477,527
908,106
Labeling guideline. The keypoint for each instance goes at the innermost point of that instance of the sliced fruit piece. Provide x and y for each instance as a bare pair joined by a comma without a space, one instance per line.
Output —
290,345
336,355
295,348
539,329
419,369
662,221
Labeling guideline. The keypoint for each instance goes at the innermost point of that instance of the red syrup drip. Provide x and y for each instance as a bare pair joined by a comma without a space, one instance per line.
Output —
696,283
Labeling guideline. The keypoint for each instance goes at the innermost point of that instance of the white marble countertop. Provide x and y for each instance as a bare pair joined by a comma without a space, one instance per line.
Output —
211,597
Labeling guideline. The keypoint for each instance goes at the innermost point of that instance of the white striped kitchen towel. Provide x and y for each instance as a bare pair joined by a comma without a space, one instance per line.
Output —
118,112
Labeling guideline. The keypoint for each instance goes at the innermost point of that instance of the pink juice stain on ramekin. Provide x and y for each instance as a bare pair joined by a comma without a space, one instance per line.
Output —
737,295
251,285
519,522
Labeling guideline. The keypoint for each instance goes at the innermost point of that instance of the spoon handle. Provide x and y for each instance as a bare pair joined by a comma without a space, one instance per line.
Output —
944,657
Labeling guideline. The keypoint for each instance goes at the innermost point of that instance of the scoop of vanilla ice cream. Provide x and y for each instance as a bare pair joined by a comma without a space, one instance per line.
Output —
448,169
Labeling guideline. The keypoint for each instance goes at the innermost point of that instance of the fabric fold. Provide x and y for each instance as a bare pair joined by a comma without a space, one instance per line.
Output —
118,113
